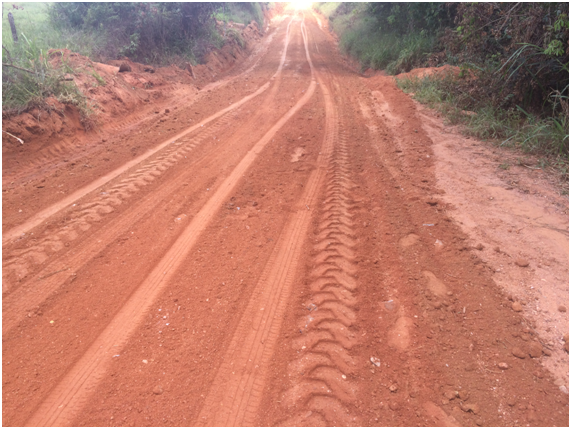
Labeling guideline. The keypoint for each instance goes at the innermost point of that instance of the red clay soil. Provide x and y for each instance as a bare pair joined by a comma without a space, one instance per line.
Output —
292,244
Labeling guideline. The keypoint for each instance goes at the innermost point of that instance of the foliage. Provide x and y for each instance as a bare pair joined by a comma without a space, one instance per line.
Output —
509,127
513,58
407,18
28,78
526,44
371,33
241,12
149,32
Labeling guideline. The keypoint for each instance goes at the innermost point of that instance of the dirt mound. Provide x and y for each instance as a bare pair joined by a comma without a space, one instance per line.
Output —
112,95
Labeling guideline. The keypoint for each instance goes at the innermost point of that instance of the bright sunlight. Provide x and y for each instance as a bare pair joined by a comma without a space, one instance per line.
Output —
299,5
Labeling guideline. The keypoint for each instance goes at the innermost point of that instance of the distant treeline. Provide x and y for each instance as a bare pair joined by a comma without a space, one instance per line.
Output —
152,31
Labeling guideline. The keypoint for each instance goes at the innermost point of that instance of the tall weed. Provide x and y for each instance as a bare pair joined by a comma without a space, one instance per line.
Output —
507,127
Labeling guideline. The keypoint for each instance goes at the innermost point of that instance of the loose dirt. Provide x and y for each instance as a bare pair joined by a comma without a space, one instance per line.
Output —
288,244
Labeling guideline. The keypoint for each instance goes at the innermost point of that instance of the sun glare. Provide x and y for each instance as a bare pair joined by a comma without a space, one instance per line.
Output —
299,5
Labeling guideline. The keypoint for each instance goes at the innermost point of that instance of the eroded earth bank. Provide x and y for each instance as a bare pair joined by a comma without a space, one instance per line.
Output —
292,244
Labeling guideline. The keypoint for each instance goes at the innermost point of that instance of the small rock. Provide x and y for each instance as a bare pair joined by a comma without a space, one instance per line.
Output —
511,401
480,246
394,405
479,422
520,262
562,309
516,306
547,352
531,416
470,407
503,365
145,361
464,395
393,388
167,111
535,350
564,389
375,361
158,390
450,395
470,367
518,353
497,249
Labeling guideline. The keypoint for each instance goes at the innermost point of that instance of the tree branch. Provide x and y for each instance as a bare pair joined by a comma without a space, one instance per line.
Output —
19,68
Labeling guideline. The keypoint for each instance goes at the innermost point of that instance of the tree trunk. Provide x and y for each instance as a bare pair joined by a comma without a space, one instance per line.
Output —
13,27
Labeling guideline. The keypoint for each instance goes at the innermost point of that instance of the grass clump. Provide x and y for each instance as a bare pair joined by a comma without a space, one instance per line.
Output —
28,77
512,127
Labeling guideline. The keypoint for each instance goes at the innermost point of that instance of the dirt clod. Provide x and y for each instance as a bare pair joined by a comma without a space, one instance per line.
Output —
503,365
450,394
124,67
519,353
535,350
520,262
516,306
463,395
158,390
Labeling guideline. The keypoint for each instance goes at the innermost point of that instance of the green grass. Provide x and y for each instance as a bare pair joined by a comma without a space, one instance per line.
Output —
23,89
361,37
33,22
507,128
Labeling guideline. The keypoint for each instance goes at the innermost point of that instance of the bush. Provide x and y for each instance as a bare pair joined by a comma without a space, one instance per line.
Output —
147,32
362,36
27,76
509,127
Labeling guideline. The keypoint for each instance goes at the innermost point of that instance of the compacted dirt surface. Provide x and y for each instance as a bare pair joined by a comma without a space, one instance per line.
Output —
292,244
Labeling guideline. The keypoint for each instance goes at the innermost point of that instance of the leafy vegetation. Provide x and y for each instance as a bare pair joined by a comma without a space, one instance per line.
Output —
242,13
152,33
391,36
28,78
513,57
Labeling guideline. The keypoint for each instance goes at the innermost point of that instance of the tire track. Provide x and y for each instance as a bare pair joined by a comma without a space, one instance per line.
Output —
29,295
69,396
322,390
26,298
82,216
20,230
236,392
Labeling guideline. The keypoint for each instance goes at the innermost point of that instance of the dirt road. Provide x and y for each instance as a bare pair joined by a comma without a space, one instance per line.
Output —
275,252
